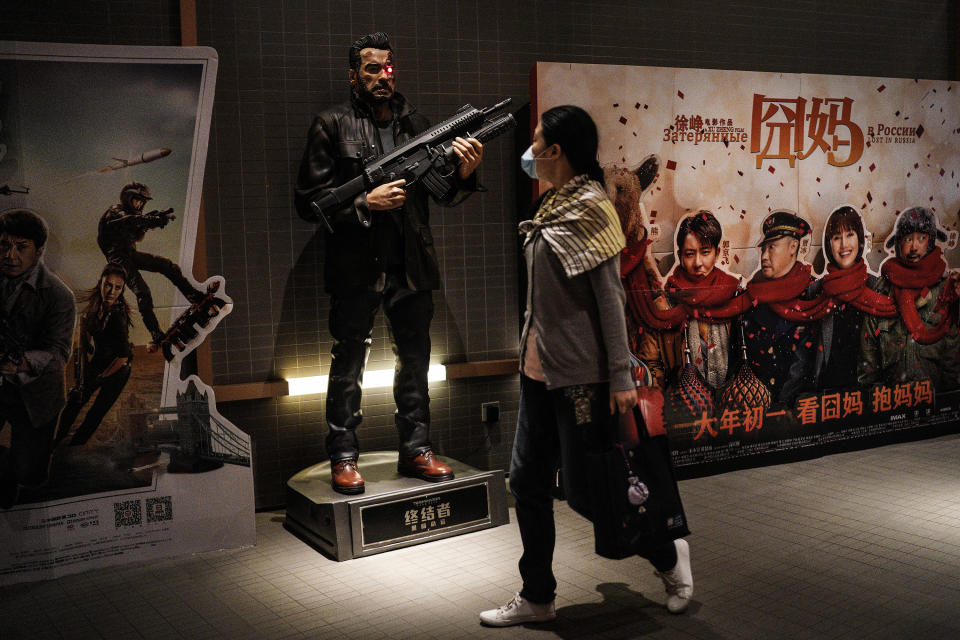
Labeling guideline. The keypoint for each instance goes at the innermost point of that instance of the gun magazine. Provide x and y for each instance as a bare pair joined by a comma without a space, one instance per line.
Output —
441,187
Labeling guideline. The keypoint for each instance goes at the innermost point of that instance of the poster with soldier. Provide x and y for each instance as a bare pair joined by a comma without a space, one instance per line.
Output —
791,260
111,447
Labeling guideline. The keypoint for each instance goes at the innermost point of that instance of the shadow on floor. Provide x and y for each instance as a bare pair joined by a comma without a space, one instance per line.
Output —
623,614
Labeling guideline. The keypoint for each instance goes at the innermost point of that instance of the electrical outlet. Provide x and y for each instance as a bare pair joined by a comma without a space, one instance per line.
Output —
490,411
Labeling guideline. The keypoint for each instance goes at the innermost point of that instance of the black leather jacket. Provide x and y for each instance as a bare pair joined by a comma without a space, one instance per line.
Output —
340,139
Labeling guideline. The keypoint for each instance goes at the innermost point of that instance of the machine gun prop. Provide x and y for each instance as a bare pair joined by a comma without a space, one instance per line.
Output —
153,219
428,157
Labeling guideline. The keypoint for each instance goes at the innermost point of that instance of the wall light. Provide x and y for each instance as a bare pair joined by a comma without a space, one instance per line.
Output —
371,380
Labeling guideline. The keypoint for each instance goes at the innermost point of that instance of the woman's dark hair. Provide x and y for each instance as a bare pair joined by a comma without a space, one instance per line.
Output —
574,130
844,218
94,300
704,226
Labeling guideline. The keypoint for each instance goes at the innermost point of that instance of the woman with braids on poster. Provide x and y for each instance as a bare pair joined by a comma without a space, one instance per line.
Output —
854,295
575,361
102,355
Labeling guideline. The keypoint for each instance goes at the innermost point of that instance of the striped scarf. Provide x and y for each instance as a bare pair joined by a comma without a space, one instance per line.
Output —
579,223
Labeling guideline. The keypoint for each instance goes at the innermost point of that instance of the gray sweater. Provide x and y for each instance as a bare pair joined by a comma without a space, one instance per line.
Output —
579,322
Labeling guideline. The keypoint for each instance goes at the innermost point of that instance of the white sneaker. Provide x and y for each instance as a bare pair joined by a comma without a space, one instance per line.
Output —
678,581
518,611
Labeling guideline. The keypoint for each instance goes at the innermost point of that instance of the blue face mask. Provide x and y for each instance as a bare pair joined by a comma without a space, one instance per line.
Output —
529,163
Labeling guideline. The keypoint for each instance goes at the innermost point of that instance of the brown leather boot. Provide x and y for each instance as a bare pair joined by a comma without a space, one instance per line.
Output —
346,476
425,466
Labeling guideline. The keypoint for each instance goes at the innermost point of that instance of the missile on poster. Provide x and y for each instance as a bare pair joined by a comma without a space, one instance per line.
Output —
146,156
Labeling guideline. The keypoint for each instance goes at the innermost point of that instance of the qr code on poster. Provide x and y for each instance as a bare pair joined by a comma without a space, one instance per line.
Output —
127,514
159,509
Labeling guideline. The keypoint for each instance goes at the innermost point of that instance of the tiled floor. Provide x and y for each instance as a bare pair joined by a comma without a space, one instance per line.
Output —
859,545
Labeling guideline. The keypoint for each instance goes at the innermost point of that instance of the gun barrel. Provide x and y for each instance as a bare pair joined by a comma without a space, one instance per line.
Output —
496,127
497,107
490,130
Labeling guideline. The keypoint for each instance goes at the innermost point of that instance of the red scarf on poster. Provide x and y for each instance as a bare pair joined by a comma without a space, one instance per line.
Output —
633,277
849,285
639,289
912,281
783,295
632,256
711,298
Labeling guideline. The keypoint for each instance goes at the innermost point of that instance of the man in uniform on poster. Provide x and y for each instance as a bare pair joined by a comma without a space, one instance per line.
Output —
779,350
37,314
922,342
380,251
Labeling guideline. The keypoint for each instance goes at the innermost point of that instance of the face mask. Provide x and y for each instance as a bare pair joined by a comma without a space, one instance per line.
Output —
529,163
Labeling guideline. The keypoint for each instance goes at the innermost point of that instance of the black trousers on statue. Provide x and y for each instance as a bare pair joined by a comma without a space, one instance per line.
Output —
351,324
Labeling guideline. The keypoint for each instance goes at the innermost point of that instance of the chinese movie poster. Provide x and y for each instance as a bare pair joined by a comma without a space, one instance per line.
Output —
791,265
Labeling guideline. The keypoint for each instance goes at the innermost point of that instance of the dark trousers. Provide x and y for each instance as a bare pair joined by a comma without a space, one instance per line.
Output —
28,459
110,389
351,324
136,261
557,428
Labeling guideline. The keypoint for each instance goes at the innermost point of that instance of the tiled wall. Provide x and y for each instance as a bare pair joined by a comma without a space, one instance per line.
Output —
280,61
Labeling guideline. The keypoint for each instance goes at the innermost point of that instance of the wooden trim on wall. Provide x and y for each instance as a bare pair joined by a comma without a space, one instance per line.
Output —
251,390
483,369
188,23
188,38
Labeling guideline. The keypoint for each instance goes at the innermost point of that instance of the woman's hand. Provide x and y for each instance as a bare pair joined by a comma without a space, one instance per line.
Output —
622,401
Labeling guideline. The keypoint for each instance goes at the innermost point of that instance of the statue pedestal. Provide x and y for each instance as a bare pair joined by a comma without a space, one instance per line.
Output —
394,511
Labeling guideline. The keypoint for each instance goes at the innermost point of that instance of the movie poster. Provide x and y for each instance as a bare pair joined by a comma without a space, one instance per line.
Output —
109,451
791,260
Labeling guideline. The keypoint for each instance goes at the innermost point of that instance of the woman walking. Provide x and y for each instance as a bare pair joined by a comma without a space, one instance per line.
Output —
575,362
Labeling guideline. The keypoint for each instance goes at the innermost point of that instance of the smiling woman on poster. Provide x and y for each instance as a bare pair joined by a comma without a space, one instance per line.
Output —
854,291
575,360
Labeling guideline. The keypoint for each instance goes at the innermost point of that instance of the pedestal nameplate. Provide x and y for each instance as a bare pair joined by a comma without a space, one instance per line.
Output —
395,511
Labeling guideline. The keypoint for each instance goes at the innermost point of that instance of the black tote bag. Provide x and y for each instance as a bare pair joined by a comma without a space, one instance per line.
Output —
643,472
